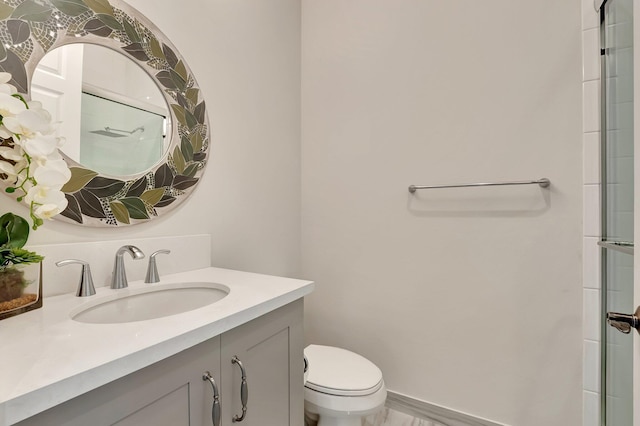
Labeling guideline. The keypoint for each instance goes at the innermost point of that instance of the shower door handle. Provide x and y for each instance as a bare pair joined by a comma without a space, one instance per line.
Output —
624,322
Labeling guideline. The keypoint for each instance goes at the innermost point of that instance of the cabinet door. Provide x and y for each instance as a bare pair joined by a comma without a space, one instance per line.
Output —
168,393
270,349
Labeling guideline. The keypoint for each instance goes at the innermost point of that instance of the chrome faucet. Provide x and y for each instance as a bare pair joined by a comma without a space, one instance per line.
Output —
119,276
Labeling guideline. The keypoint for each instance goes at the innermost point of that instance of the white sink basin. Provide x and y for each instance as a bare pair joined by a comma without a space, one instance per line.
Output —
149,302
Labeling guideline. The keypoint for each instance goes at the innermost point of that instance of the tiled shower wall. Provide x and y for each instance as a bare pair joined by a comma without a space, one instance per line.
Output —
591,219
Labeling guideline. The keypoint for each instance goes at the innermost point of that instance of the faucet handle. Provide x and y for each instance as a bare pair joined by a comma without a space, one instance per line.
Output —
85,286
152,269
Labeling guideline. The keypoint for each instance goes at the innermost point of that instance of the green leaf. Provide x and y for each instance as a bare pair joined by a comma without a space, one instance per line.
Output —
199,156
100,6
14,66
32,11
186,148
120,212
191,170
137,51
184,117
19,256
182,70
70,7
136,208
163,176
192,94
14,230
178,160
5,11
110,21
180,82
97,27
164,77
170,56
90,204
73,209
199,112
138,187
152,196
182,101
191,120
166,200
183,182
180,114
104,187
19,30
131,32
79,179
3,52
156,48
196,142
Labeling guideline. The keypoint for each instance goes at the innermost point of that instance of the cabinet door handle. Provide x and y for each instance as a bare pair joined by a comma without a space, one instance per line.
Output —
244,390
215,408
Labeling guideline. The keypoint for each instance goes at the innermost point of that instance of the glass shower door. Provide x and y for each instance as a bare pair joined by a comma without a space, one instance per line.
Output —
618,212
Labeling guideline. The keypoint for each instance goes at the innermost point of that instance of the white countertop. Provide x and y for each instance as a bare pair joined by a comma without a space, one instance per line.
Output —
47,358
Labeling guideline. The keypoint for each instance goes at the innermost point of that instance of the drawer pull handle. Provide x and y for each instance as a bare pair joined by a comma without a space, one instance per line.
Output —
244,390
215,408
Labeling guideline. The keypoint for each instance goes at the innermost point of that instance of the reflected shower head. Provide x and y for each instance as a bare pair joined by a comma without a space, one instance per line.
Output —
111,132
106,132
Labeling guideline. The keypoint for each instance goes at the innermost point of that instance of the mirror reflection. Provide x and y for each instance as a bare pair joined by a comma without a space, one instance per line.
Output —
112,114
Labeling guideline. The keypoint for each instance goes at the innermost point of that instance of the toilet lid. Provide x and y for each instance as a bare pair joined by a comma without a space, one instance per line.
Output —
337,371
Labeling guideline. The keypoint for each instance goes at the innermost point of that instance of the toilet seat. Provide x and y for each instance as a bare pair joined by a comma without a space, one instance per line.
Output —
339,372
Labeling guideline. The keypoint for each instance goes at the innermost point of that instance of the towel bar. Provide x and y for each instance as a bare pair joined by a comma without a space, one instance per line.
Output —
544,183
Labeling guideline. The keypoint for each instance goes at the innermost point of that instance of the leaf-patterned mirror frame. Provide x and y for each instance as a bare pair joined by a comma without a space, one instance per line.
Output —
31,28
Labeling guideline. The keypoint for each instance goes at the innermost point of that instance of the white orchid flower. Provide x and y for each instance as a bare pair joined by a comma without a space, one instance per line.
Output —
47,211
10,170
5,133
49,202
9,89
32,163
10,106
36,107
54,173
27,123
14,153
45,160
9,155
39,146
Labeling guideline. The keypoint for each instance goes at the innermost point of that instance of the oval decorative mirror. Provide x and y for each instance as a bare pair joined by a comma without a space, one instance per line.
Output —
134,119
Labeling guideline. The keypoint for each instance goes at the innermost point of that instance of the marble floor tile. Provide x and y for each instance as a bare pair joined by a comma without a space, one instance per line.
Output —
389,417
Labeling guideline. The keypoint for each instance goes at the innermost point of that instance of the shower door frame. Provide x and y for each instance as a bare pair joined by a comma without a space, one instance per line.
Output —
636,204
600,5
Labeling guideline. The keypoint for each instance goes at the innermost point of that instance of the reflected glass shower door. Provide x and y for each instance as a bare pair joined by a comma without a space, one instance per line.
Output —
617,209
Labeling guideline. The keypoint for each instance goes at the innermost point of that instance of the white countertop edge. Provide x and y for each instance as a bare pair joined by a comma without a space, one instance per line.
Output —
28,404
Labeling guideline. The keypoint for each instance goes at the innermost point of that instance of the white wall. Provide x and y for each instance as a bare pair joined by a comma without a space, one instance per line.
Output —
246,58
467,298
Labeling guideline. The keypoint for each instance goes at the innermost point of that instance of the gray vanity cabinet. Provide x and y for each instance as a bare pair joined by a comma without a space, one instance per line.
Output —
169,392
172,392
270,349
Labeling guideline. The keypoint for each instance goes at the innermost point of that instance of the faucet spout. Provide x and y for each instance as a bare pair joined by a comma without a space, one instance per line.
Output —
119,275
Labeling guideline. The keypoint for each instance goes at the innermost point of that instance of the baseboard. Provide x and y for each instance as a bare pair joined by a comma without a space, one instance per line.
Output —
426,410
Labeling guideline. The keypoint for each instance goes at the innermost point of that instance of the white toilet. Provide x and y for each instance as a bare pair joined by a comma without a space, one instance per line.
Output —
341,387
